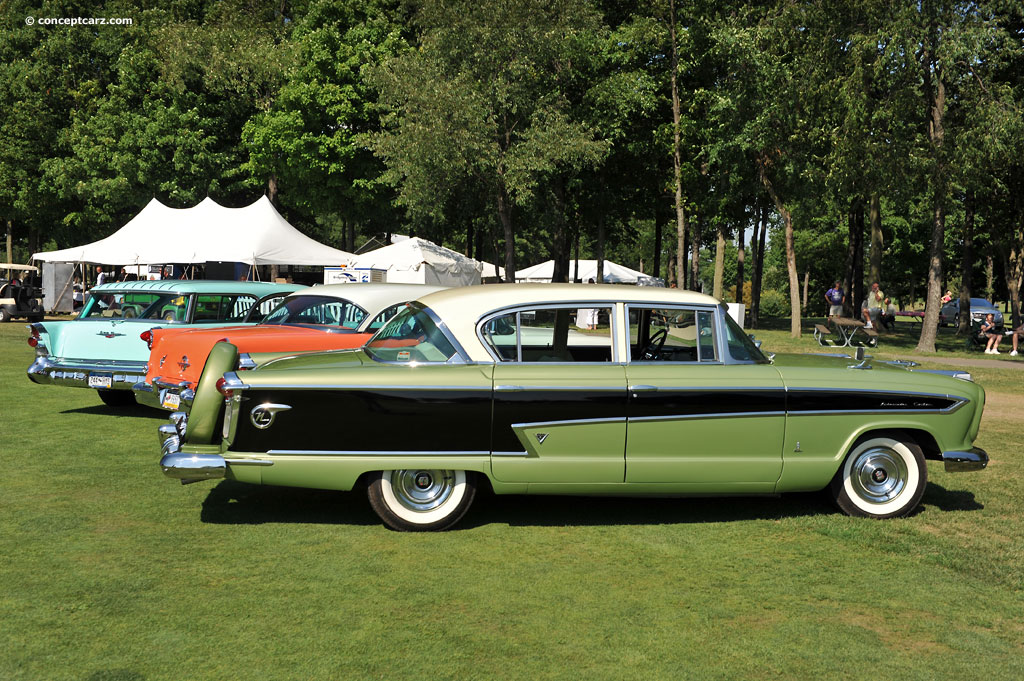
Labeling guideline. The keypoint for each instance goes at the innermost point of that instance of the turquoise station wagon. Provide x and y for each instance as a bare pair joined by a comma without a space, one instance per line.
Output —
104,346
576,389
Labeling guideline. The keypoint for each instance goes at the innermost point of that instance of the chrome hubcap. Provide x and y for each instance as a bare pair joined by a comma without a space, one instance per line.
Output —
878,475
421,490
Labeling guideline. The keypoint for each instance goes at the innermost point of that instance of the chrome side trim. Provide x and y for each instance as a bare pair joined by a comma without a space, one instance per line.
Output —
561,388
245,361
232,407
345,452
973,459
688,417
233,382
249,462
351,386
510,454
569,422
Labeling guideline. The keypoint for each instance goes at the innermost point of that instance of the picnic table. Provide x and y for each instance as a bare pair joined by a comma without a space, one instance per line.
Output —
915,315
848,330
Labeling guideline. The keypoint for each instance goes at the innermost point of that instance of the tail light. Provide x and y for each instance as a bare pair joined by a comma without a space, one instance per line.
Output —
33,340
221,383
147,336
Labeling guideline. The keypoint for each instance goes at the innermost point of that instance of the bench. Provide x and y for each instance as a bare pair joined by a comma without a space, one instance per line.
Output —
820,331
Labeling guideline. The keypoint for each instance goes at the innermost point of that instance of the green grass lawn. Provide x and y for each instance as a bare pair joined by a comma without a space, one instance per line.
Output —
111,571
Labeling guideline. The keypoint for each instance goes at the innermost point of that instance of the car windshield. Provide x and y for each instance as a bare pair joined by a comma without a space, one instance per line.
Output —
169,307
316,311
410,336
741,347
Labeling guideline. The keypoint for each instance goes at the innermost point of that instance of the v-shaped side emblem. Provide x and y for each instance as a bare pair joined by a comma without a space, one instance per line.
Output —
540,437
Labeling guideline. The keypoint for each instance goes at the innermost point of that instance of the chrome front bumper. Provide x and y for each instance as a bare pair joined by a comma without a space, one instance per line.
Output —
99,374
164,395
973,459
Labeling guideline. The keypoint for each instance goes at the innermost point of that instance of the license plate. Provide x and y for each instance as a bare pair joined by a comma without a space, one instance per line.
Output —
99,381
171,400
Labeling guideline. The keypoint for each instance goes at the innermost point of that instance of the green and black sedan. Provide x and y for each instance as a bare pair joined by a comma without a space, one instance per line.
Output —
574,389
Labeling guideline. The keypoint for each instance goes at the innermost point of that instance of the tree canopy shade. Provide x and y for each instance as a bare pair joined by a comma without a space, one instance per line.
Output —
861,140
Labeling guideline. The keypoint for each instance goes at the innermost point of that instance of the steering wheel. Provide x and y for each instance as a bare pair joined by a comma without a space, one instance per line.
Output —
654,345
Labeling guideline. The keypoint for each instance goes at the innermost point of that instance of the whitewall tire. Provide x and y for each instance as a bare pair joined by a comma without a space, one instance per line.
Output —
421,499
882,477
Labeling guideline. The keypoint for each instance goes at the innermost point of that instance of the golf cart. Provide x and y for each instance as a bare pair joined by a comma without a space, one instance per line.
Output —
19,297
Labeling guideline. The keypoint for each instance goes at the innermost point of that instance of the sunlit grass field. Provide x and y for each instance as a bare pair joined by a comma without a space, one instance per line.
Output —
109,571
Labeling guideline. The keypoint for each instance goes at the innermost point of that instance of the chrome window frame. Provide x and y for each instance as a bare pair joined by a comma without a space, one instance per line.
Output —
614,323
716,330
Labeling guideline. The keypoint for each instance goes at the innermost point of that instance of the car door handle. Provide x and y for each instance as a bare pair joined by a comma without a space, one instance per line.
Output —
643,388
509,388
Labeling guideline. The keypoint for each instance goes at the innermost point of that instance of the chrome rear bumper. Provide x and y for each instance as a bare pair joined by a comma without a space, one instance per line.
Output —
164,395
185,466
973,459
99,374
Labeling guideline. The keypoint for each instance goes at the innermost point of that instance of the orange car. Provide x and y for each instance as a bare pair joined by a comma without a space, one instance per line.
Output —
329,317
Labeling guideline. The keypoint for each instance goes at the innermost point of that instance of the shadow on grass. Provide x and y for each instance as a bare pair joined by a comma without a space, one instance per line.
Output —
236,503
950,500
104,410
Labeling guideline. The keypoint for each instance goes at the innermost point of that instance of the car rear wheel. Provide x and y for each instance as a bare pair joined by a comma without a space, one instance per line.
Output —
418,500
117,398
5,316
882,477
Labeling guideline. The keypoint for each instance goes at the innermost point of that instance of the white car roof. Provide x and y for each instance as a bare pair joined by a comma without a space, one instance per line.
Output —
374,298
461,308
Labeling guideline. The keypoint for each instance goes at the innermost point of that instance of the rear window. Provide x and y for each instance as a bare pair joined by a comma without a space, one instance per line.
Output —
410,336
316,311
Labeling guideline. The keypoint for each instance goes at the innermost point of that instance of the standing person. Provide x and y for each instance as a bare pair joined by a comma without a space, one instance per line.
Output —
835,297
101,276
988,328
77,294
874,305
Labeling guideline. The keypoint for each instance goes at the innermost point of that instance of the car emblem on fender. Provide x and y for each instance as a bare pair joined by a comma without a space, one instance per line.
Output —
262,416
109,334
184,363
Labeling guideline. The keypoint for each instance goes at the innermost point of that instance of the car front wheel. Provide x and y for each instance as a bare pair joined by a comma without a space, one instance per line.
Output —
417,500
882,477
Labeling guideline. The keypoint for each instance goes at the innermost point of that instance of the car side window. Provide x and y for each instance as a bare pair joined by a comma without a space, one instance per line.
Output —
240,308
551,334
660,334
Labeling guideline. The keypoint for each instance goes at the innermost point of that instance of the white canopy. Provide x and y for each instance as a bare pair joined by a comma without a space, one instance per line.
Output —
613,273
418,261
255,235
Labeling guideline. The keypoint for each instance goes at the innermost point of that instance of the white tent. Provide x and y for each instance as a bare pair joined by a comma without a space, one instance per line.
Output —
255,235
418,261
613,273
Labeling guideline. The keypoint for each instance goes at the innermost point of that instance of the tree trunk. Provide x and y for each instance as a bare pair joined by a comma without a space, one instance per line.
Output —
877,245
469,238
853,278
1013,265
966,265
716,289
576,259
740,255
755,283
794,278
990,276
807,279
935,94
560,239
600,250
505,215
695,281
657,241
682,250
